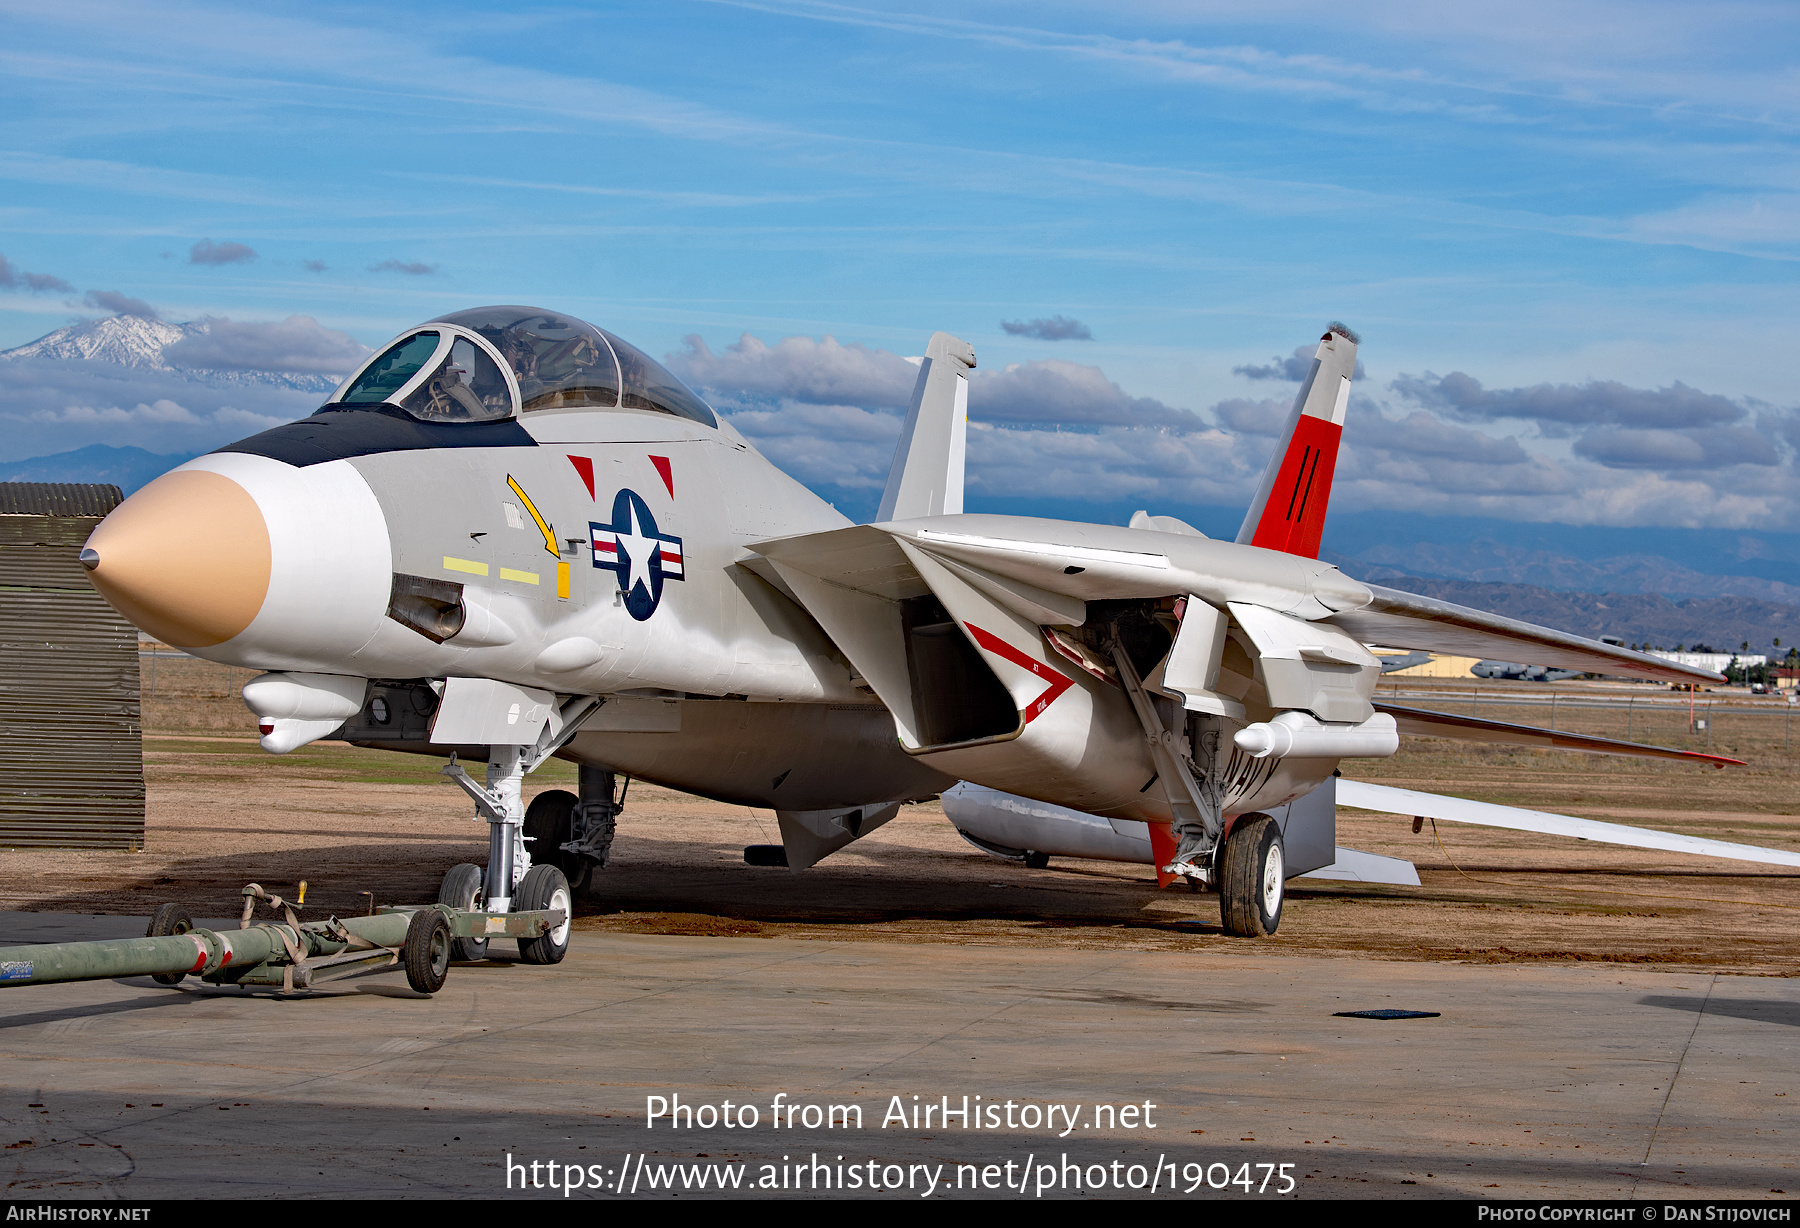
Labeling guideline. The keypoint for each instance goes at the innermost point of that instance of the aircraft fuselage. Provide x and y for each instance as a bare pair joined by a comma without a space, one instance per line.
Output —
591,552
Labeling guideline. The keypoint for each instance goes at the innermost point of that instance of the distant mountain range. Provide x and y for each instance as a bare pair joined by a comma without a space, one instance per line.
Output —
1724,623
134,341
126,468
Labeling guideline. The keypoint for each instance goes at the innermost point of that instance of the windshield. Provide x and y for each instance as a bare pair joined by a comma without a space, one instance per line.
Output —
385,376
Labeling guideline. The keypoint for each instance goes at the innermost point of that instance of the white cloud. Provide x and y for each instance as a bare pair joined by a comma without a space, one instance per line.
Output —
162,412
1053,391
1061,430
156,412
208,252
49,406
798,369
296,344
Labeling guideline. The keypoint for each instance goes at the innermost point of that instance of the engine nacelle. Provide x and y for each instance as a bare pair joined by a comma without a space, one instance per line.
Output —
1005,677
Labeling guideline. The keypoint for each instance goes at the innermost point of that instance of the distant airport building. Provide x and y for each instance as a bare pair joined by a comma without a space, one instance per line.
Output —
1715,661
1430,667
71,743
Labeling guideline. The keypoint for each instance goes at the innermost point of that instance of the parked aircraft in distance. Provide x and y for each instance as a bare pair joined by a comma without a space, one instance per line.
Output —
512,535
1524,673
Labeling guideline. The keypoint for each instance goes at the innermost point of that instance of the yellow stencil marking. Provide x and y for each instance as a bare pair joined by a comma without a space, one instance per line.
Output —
562,581
549,537
523,577
468,565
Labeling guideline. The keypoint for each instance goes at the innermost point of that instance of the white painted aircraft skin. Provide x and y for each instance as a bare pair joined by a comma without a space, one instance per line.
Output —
765,597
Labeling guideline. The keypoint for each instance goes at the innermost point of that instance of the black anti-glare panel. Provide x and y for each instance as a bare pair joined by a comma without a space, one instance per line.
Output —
338,434
1386,1014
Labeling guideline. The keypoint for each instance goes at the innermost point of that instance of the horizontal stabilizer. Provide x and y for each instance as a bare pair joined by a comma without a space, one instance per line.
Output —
1361,796
1420,723
1356,866
1397,619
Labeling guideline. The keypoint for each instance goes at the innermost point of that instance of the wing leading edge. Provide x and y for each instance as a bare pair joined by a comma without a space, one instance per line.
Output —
1399,619
1420,722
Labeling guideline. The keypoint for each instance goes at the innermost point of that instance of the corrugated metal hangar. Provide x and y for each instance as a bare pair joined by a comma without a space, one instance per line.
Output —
71,739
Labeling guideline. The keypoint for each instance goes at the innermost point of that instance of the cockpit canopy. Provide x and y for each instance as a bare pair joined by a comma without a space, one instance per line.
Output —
486,364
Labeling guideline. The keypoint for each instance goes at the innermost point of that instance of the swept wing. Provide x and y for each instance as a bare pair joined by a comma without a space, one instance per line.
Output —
1408,620
1420,722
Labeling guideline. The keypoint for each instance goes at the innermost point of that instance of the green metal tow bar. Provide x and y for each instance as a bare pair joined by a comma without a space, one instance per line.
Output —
288,955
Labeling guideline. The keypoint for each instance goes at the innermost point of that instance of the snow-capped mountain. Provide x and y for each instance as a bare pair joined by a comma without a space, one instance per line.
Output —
130,341
134,341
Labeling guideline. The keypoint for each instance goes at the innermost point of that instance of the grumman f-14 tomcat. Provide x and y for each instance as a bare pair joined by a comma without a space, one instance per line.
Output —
512,535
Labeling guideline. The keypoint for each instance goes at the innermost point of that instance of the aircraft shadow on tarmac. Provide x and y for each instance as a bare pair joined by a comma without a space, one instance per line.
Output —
661,885
1757,1010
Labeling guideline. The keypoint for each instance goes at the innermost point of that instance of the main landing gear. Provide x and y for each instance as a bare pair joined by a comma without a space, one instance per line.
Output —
1252,877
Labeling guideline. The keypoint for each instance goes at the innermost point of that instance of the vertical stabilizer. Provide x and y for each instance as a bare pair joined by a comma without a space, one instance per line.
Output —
927,476
1288,513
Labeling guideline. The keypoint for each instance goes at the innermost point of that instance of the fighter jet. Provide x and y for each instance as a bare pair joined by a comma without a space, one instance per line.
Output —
512,535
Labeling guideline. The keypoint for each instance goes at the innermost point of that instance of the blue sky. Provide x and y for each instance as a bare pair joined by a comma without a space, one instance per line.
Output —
1588,214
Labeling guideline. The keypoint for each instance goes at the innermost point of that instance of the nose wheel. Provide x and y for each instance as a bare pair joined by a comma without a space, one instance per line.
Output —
461,890
544,887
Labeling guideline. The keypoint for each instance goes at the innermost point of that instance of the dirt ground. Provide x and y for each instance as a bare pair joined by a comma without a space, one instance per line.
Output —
221,814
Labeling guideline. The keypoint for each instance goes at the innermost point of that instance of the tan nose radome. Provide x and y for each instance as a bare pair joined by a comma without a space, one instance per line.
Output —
186,558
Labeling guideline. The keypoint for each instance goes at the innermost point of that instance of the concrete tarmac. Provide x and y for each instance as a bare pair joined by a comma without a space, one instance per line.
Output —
1593,1081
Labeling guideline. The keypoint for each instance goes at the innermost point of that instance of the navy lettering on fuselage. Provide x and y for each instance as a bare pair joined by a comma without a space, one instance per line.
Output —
642,557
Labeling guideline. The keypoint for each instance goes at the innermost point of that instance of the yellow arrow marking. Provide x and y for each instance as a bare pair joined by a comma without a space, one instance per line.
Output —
549,537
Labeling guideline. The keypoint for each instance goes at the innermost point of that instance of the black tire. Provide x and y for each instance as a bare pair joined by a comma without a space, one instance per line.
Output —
1035,860
1252,877
550,824
427,950
545,887
169,919
461,890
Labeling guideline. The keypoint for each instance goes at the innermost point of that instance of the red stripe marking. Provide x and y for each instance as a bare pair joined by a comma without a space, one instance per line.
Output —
1059,681
663,470
669,556
1293,519
585,468
1162,848
609,547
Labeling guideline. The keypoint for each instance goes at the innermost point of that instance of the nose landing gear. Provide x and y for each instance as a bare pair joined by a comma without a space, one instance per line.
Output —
513,897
